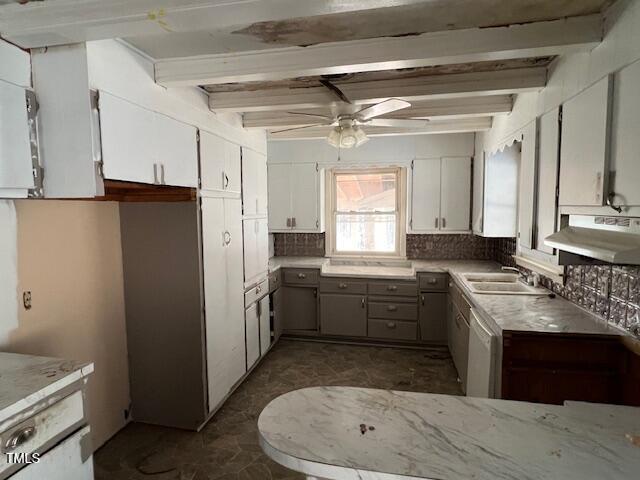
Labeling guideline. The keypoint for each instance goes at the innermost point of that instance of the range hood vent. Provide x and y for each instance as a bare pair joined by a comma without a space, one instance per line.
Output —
609,239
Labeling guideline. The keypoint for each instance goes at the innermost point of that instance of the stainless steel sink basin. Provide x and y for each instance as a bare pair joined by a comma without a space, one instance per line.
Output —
499,284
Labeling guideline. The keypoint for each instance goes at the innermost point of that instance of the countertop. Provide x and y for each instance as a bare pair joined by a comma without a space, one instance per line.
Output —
506,312
357,433
26,380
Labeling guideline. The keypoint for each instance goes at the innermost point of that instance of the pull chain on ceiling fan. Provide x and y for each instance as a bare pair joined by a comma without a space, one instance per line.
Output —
347,131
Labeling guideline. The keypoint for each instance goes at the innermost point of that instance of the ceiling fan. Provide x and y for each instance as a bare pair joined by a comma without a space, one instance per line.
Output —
347,131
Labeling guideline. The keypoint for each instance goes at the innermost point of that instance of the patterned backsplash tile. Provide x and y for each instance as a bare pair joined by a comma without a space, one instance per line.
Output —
298,244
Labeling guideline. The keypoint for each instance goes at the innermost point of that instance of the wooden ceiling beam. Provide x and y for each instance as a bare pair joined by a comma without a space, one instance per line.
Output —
388,53
436,127
453,108
455,85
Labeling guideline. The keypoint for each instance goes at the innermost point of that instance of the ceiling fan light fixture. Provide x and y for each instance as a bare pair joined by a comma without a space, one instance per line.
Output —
347,137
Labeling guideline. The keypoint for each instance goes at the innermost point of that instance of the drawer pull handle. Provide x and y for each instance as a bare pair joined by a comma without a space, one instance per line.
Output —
258,289
392,288
302,276
362,302
391,324
392,308
19,438
342,286
432,281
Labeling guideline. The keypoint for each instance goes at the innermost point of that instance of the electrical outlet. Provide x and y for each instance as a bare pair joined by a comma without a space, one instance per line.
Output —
26,300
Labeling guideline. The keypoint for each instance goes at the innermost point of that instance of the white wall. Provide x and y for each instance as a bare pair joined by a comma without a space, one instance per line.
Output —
70,258
392,150
8,270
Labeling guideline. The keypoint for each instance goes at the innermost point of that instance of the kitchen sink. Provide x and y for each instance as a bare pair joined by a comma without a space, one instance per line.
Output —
499,284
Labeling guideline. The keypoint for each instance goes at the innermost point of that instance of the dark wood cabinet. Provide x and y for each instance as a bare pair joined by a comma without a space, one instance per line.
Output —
552,368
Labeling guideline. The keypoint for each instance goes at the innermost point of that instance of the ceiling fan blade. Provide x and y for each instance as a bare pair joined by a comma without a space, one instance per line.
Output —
326,117
300,128
382,108
339,93
397,122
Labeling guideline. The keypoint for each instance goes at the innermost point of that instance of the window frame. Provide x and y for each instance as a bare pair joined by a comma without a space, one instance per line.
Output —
400,212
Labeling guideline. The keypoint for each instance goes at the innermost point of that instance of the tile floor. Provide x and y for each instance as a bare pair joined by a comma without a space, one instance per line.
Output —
227,448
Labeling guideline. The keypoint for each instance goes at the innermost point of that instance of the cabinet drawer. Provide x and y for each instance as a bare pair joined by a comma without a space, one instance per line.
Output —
342,285
393,329
42,430
433,282
393,288
275,280
397,311
256,292
299,276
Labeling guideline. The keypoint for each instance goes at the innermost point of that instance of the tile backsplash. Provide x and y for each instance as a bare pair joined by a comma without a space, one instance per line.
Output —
298,244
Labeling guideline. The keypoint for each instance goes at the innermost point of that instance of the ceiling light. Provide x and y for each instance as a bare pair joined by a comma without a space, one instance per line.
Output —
347,137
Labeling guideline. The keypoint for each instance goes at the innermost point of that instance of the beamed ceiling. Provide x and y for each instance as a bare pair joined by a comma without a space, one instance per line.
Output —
458,62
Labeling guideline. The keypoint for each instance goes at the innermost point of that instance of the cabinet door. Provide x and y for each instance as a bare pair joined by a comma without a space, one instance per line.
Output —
299,308
343,315
252,318
478,193
128,138
305,197
527,190
15,146
265,325
261,178
433,317
212,162
262,245
232,165
584,154
223,294
547,210
279,180
250,239
250,161
425,195
278,313
177,152
455,200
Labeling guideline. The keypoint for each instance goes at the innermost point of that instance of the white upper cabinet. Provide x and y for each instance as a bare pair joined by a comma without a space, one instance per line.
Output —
478,193
256,250
548,157
499,210
425,193
219,165
625,142
440,195
139,145
527,189
455,205
584,155
16,163
254,183
16,132
296,198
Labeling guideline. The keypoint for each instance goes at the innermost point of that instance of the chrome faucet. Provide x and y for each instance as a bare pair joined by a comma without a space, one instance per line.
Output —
523,277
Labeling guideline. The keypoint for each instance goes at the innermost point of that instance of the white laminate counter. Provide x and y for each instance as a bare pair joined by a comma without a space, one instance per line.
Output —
355,433
26,380
506,312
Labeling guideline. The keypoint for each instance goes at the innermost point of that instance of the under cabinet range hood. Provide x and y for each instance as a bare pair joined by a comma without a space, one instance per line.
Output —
607,239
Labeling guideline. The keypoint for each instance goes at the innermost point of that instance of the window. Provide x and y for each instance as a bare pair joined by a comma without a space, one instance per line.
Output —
367,212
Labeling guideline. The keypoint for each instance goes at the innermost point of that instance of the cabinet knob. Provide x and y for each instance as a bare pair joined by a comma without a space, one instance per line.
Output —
392,288
392,308
422,299
342,285
302,276
432,281
391,325
362,302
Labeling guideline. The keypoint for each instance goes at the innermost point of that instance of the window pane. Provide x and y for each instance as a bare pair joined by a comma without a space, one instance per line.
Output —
366,192
366,233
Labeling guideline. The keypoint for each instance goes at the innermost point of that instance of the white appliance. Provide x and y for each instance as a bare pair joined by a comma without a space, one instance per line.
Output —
482,359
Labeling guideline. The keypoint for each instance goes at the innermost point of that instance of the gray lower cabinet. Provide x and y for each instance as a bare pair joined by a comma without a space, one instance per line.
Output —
300,308
277,306
392,329
433,317
344,315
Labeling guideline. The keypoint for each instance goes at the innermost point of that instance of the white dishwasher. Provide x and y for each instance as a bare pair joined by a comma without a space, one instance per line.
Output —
482,359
